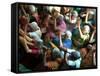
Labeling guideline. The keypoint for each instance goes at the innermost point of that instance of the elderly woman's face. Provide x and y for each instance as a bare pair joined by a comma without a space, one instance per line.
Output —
85,31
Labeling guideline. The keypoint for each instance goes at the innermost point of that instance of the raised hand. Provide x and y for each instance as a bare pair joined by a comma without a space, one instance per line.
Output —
78,22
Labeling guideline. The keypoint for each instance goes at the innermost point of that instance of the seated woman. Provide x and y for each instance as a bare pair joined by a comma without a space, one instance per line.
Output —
35,33
29,43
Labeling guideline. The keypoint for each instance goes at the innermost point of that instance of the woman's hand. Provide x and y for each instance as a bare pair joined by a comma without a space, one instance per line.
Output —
78,22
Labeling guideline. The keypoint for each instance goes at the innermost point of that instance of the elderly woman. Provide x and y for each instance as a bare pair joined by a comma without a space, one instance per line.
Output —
80,35
25,40
71,20
56,21
30,39
67,42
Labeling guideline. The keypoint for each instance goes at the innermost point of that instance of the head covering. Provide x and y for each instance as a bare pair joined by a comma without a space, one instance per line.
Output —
35,36
69,34
75,13
74,55
56,53
32,8
92,11
36,33
56,50
34,26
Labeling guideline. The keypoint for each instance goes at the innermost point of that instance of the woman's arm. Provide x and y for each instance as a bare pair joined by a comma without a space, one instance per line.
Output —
92,36
23,10
86,17
70,17
55,22
22,33
53,45
79,28
24,43
60,37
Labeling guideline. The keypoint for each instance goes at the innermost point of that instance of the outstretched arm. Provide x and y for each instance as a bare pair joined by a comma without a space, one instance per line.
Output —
55,22
92,36
86,17
79,28
22,33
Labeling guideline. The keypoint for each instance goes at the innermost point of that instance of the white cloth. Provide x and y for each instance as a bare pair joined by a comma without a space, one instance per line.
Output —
69,34
36,29
32,8
75,63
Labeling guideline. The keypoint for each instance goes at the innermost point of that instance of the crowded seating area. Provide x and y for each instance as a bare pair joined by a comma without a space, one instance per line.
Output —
56,37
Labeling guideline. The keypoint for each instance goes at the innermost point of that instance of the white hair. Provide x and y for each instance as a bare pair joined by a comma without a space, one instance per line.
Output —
87,28
36,28
32,8
75,13
69,34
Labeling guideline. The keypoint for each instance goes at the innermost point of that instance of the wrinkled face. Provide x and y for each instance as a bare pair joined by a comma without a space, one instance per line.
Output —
85,29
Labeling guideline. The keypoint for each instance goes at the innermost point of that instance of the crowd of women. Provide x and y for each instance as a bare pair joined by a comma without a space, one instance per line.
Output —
57,37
